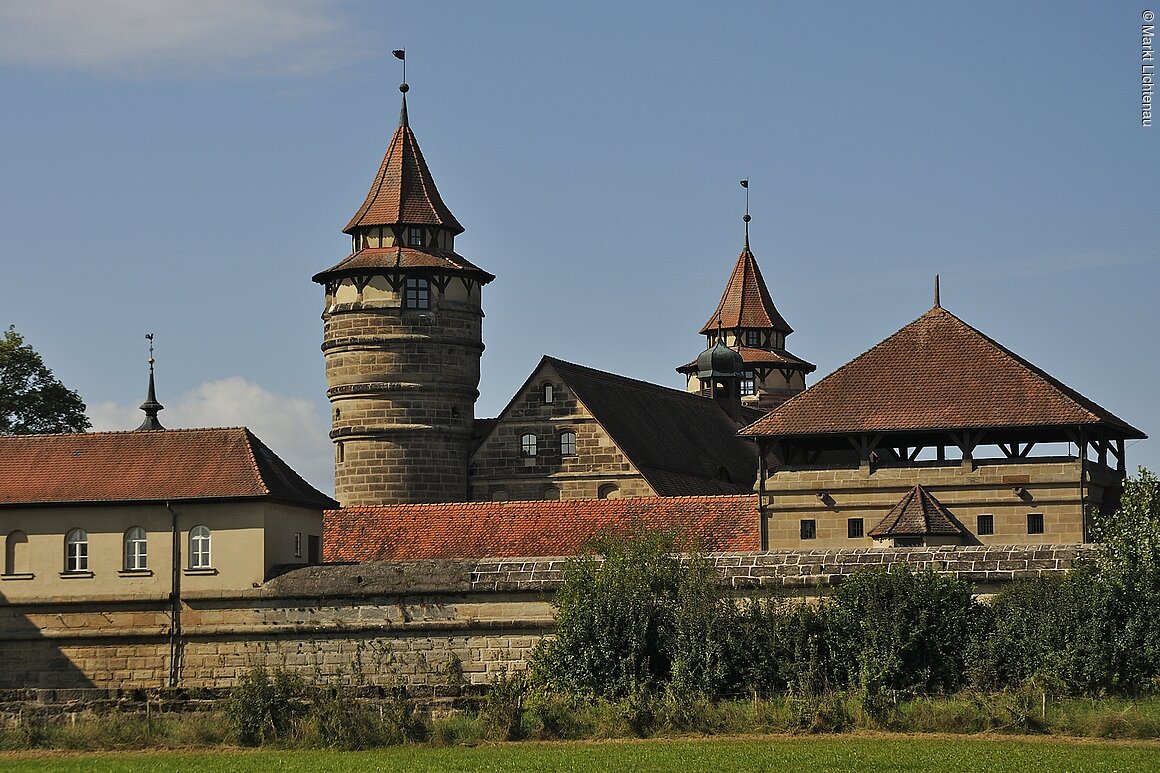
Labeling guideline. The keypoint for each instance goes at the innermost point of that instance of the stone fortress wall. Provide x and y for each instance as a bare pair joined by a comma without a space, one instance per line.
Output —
423,624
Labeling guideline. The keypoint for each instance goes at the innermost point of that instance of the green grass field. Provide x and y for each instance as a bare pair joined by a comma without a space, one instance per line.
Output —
859,753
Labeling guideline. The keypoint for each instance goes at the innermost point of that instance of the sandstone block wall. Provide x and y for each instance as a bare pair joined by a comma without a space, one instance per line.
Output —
427,625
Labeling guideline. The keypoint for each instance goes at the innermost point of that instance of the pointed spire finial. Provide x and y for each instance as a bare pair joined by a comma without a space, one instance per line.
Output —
151,406
937,300
401,55
747,218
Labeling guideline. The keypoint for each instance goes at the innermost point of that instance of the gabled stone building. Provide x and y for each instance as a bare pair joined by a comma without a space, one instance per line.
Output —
573,432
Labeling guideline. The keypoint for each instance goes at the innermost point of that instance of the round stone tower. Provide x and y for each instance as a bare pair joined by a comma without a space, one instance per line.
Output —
402,340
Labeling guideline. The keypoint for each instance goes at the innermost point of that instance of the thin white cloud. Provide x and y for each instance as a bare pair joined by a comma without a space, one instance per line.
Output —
290,426
165,38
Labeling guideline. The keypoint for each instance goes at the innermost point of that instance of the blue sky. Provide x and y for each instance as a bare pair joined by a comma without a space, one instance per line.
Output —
185,168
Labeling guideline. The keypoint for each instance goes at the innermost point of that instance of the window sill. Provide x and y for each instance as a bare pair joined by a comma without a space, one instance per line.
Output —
135,573
85,575
205,570
17,576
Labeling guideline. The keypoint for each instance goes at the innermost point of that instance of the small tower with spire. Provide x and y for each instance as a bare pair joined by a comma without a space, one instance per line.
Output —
747,322
151,406
402,339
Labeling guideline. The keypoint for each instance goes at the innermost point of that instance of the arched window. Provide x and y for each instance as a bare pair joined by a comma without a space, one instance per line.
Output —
199,555
549,393
417,294
76,551
568,443
550,493
16,553
136,550
608,491
528,442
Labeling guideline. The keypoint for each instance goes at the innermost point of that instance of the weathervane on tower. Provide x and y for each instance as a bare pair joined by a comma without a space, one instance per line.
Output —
747,218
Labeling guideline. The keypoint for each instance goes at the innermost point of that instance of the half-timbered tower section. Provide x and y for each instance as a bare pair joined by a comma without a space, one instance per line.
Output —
937,435
402,340
747,321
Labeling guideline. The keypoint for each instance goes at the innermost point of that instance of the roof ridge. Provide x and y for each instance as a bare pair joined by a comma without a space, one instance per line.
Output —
627,380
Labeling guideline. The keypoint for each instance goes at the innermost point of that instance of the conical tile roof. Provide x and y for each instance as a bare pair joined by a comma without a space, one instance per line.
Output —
403,192
746,302
918,514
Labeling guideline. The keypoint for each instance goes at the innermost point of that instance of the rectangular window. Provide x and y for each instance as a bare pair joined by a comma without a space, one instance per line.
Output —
1035,523
748,384
314,546
809,528
417,294
985,524
854,529
528,444
752,338
298,544
415,237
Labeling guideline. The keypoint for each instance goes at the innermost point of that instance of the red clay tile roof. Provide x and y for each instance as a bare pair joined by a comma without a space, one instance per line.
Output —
408,258
403,191
677,440
918,514
521,529
746,302
936,373
175,464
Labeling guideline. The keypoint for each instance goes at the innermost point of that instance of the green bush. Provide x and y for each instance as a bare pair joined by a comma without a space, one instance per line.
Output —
262,707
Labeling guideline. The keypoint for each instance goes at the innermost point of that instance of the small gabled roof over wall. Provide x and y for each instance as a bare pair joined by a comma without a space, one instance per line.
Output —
937,373
156,466
918,514
465,530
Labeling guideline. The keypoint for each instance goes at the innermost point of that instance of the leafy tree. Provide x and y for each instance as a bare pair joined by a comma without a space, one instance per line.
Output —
32,400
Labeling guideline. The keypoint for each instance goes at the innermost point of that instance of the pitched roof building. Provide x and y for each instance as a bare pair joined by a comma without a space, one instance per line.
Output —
942,406
109,514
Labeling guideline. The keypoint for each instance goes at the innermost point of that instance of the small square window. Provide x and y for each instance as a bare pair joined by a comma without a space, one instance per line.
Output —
417,294
809,528
985,524
1035,523
748,384
415,237
752,338
854,528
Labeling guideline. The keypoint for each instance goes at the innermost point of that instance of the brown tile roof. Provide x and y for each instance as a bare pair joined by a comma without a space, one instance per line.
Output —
175,464
678,441
918,514
523,529
403,191
775,357
406,258
746,302
936,373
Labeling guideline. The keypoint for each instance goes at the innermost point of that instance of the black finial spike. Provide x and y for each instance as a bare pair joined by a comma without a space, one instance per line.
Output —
937,300
747,218
401,55
151,406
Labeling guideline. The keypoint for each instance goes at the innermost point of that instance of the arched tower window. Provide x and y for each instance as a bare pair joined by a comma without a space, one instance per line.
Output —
136,550
199,545
608,491
417,294
16,553
76,551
